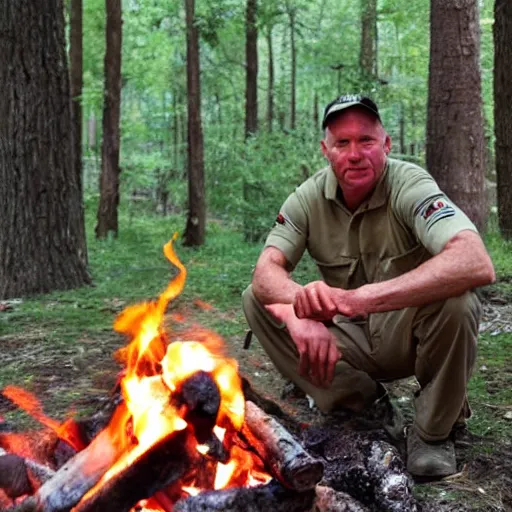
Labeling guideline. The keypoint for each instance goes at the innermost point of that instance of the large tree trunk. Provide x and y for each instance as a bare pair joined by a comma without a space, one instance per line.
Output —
292,13
251,52
76,82
270,93
368,51
455,136
42,243
110,170
196,219
503,111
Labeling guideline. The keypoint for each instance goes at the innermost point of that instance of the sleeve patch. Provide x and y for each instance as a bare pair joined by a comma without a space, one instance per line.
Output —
280,218
285,220
435,210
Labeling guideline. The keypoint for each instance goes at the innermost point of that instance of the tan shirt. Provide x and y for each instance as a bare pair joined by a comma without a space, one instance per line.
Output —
405,221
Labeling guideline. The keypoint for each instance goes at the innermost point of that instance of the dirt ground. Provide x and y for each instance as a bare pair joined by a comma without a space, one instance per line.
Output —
78,377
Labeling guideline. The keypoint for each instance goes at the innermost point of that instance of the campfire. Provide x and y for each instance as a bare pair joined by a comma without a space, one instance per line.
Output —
183,437
184,432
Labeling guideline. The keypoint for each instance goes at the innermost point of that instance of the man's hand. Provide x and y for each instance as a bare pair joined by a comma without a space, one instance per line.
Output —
317,350
321,302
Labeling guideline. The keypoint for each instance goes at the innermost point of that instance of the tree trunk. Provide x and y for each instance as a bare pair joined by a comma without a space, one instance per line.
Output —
76,82
503,111
251,52
110,170
42,242
270,94
455,136
196,219
316,111
368,51
401,128
293,82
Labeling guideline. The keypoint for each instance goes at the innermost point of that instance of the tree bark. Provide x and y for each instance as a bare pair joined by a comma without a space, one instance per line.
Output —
107,219
251,52
292,12
455,136
368,51
196,218
42,242
503,111
76,83
270,93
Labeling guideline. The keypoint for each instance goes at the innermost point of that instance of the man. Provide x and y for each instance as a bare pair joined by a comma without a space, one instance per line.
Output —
399,262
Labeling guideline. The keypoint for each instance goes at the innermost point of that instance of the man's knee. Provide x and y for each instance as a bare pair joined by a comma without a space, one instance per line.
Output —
462,314
453,328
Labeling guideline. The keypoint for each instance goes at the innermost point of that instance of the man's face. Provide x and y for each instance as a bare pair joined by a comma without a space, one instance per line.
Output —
356,146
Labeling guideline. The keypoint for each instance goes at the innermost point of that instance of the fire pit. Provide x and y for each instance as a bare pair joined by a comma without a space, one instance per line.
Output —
182,436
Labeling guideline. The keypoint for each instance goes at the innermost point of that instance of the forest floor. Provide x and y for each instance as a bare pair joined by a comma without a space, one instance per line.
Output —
72,371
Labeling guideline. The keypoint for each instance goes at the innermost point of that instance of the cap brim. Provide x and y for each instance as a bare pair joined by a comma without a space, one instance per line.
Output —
343,106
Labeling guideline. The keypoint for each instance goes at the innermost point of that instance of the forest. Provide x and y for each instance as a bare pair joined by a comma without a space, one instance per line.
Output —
127,121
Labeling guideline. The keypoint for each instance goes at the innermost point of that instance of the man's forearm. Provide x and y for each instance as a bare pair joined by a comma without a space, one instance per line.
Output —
271,282
274,287
436,279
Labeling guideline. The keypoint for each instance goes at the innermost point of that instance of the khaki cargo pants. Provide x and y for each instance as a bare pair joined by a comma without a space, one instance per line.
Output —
436,343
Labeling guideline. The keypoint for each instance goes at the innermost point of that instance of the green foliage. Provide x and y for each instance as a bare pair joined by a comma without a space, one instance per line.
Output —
327,35
247,182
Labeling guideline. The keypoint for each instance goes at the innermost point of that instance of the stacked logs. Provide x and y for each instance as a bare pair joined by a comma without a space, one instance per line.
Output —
168,462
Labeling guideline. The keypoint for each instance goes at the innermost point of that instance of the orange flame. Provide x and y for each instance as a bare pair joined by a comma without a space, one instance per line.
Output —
67,431
156,364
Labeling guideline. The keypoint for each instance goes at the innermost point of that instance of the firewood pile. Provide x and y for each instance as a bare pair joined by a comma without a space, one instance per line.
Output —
323,469
183,432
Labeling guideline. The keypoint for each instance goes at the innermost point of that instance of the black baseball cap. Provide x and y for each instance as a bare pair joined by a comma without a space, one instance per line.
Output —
347,101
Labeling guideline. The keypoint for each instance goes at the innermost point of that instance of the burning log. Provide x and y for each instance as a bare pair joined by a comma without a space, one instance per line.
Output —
271,496
75,478
160,466
288,461
201,398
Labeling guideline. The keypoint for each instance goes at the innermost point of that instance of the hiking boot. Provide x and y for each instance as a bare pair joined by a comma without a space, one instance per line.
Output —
429,459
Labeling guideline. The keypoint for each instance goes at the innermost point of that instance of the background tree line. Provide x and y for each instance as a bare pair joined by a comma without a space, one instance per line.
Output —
214,107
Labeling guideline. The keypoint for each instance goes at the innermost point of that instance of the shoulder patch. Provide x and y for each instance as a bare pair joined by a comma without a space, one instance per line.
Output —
434,210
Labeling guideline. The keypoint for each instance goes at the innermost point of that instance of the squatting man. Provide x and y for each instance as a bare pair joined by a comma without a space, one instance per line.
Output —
399,262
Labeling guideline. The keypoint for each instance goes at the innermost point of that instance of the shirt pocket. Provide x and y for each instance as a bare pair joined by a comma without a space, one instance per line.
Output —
395,266
337,273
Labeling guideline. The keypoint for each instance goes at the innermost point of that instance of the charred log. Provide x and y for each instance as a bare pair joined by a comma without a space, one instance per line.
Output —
271,496
200,396
13,476
288,461
75,478
160,466
19,476
329,500
365,466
